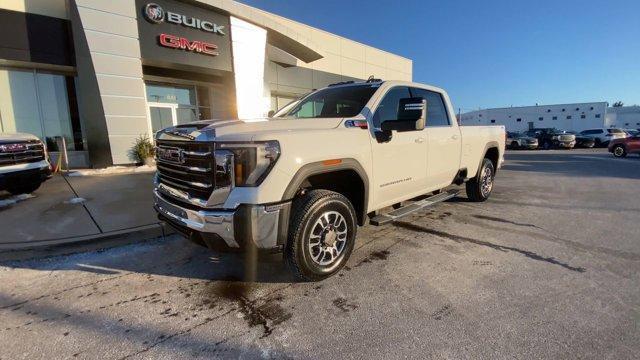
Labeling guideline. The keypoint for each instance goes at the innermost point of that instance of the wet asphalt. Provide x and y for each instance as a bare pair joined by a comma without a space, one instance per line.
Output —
547,268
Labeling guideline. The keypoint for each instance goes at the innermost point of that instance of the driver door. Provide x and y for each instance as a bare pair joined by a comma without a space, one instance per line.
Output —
399,165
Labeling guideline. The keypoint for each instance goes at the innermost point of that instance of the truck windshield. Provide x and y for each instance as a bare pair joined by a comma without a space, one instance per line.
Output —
336,102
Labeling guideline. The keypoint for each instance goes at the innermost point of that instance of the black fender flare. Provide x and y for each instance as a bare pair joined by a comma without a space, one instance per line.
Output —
316,168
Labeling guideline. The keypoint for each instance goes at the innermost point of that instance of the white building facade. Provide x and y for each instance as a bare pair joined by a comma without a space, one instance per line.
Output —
572,117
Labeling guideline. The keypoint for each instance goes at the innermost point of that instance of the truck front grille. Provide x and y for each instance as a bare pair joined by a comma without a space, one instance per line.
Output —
21,152
186,166
567,137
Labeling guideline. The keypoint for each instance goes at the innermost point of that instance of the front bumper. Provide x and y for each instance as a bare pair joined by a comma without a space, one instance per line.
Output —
259,226
28,172
566,144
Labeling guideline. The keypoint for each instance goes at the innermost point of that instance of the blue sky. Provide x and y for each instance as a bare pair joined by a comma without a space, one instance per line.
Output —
495,53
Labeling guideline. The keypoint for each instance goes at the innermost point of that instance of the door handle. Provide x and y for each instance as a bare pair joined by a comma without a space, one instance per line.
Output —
419,140
454,137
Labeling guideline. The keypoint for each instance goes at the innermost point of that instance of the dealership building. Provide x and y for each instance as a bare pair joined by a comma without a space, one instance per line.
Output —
102,73
572,117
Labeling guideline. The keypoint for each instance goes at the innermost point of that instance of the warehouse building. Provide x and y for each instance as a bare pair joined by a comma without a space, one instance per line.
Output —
574,117
102,73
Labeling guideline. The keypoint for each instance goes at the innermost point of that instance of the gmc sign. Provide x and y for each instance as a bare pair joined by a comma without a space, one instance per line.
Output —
176,42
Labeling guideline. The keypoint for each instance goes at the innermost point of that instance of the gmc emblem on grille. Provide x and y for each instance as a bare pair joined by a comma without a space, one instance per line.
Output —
170,154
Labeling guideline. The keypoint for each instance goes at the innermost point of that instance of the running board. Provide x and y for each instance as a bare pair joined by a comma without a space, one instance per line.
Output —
394,215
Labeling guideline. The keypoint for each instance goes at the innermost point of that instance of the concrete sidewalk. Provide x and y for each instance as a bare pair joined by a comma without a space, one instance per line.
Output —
117,205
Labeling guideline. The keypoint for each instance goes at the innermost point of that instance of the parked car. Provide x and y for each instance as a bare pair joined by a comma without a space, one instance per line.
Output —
631,132
521,141
602,136
302,181
583,141
23,163
622,147
549,138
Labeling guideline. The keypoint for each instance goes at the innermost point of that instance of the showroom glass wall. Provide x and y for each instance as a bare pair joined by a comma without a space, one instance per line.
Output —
42,104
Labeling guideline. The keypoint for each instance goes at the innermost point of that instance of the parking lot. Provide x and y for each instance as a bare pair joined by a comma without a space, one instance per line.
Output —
548,267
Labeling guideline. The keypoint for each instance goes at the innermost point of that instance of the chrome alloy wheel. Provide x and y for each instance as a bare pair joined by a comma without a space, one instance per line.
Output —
486,183
618,151
328,238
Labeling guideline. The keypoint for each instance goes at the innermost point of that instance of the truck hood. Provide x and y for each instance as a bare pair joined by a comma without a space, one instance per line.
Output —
246,130
8,137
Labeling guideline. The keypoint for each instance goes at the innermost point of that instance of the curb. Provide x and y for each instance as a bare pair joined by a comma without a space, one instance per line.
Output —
67,246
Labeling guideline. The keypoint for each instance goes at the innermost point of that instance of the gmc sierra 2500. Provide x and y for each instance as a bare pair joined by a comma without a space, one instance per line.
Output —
303,180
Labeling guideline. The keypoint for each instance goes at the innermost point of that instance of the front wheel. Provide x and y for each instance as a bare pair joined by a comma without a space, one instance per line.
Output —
619,151
322,234
479,188
546,145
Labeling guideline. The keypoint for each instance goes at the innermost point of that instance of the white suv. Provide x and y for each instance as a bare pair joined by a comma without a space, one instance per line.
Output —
602,136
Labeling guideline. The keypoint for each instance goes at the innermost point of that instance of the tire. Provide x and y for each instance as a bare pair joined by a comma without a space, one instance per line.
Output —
619,151
25,188
328,219
477,189
514,145
546,145
598,143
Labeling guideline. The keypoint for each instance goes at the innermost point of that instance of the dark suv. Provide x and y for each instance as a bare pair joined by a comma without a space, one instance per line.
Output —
549,138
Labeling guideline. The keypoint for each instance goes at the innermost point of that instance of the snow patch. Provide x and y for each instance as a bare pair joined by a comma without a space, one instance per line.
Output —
77,200
114,170
14,199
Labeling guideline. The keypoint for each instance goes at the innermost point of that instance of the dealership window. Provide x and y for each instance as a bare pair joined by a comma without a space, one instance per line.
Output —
554,118
577,109
591,108
173,105
583,116
568,117
597,116
541,118
518,120
493,121
42,104
563,110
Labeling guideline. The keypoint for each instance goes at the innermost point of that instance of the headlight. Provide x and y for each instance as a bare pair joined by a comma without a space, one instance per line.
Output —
554,137
252,160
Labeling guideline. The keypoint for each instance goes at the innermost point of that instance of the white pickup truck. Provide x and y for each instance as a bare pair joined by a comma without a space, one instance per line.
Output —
303,180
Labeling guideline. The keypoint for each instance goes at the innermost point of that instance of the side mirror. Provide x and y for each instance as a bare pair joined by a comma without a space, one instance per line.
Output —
412,116
270,113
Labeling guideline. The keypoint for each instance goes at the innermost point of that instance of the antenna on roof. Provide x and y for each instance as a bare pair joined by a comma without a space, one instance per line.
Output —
373,79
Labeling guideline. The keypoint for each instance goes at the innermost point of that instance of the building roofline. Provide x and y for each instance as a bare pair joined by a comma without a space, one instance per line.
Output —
539,106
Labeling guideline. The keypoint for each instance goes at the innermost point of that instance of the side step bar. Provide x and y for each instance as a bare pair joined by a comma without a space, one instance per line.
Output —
383,219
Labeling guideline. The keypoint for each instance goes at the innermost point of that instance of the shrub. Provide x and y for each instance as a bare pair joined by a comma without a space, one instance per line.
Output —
142,149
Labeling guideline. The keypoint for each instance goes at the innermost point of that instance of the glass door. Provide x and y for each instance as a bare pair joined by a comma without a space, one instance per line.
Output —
161,117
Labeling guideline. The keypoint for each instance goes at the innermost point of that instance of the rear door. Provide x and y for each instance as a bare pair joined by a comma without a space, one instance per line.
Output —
399,166
443,141
633,144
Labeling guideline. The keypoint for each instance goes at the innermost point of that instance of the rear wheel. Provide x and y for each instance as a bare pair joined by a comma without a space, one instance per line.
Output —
514,145
479,188
322,233
619,151
24,188
546,145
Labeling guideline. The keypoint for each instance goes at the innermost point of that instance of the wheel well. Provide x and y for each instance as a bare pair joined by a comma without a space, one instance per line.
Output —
345,182
493,154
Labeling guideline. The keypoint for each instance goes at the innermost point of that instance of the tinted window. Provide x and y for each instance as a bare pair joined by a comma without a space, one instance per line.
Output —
388,108
615,131
336,102
436,111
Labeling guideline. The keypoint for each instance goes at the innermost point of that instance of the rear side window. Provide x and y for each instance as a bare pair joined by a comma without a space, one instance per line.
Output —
388,108
615,131
436,111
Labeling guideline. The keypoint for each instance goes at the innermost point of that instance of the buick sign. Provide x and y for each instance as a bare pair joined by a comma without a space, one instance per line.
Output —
155,14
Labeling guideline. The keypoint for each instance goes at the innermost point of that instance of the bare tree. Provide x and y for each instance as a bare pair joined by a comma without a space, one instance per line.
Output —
618,104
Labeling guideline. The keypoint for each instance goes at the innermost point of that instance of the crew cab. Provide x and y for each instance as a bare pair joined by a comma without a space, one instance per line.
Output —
303,180
23,163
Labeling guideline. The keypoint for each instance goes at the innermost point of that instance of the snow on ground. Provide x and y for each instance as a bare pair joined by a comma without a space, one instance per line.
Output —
114,170
14,199
76,200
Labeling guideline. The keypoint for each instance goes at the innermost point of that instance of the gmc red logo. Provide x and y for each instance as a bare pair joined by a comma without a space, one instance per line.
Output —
176,42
